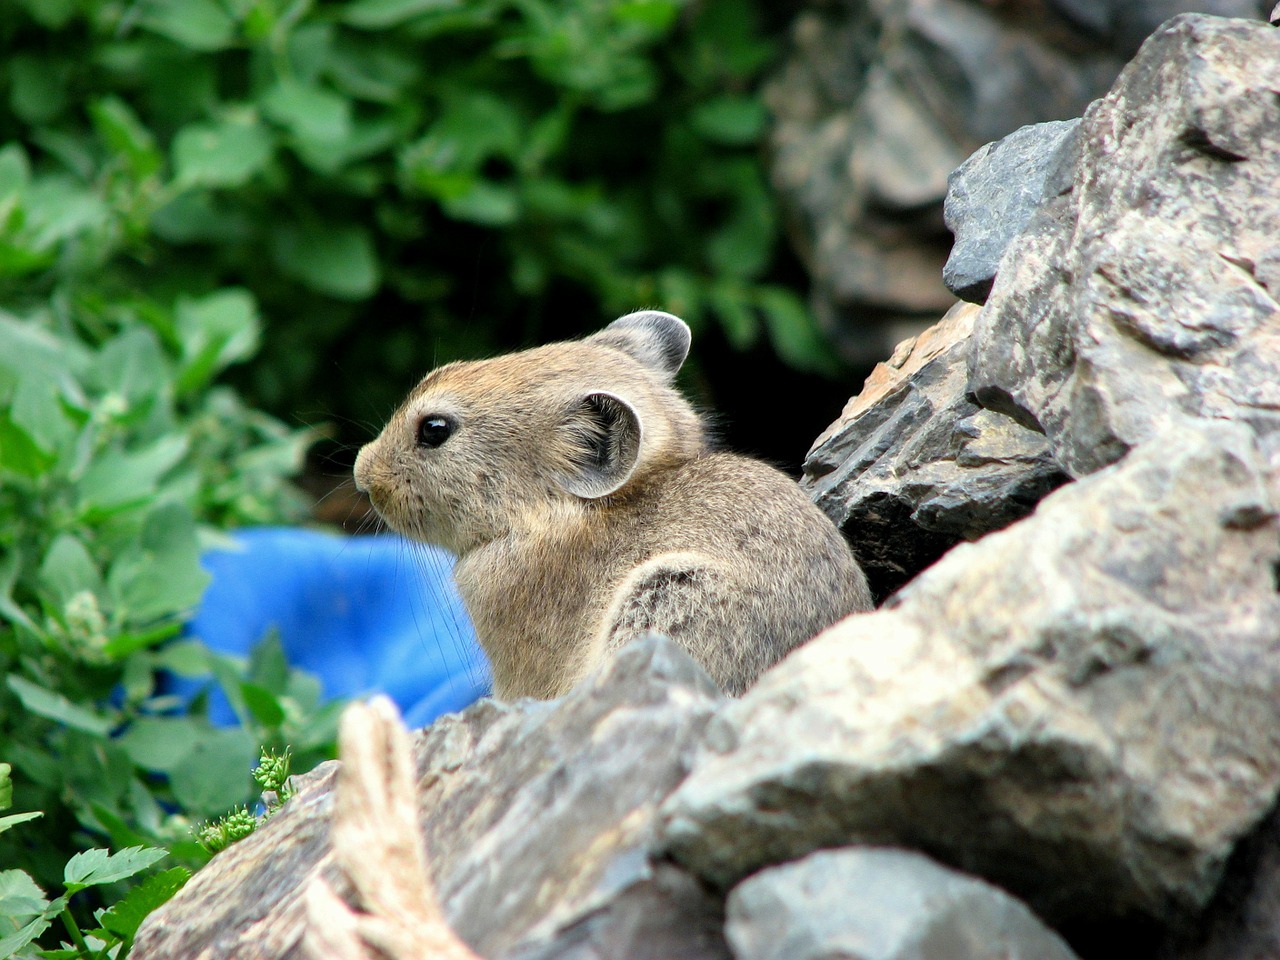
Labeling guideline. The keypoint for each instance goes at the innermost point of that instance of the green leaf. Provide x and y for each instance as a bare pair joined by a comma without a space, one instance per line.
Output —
20,454
6,786
124,477
54,706
794,333
215,776
24,935
216,331
380,14
121,645
161,743
160,575
97,866
20,896
734,121
337,260
59,208
122,131
126,915
310,112
223,154
15,172
134,366
13,819
489,204
263,704
68,569
197,24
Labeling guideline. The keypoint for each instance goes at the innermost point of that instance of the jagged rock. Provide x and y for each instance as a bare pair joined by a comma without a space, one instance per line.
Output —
536,818
865,903
1146,293
878,101
1083,708
913,465
1243,922
992,196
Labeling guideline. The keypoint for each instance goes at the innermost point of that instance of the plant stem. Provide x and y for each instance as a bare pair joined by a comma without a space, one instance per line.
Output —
74,929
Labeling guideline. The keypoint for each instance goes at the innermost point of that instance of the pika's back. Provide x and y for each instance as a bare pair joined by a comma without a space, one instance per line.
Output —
578,490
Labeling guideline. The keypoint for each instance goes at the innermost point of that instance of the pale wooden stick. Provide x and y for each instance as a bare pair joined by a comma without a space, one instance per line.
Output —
377,844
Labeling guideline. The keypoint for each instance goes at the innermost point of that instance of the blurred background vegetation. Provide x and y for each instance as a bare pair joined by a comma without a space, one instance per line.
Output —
228,227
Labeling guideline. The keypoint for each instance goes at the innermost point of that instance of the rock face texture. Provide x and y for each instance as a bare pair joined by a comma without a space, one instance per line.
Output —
1084,708
866,903
1144,292
914,465
536,818
879,100
1070,497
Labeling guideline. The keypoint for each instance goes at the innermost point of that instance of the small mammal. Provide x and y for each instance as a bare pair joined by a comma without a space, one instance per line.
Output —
586,506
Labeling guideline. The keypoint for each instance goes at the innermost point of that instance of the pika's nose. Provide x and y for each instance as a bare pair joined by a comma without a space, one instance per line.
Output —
363,468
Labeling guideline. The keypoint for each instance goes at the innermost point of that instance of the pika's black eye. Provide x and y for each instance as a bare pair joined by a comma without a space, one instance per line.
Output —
433,431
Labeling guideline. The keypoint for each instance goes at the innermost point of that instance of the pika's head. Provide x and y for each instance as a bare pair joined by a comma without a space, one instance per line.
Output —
485,448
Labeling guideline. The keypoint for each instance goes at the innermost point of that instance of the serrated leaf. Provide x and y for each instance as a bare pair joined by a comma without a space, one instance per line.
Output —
22,936
20,896
13,819
97,866
124,918
56,707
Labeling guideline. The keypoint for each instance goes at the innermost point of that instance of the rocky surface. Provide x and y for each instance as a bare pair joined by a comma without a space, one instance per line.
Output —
1080,706
1083,708
1145,293
914,465
878,101
991,198
864,903
536,819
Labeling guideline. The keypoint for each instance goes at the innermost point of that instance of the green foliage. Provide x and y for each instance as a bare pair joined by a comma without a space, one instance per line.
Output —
272,775
399,181
26,913
121,457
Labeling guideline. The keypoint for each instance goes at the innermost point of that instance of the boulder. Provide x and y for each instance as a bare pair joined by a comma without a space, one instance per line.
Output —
914,466
877,102
536,818
1083,708
992,196
1143,294
866,903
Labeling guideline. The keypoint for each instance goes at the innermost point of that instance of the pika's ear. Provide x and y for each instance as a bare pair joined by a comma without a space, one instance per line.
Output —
658,340
602,433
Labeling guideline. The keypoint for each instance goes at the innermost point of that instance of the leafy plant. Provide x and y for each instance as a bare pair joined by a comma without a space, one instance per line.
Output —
399,181
26,912
272,775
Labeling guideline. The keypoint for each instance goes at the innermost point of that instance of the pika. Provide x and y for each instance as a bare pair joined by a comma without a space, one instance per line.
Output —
587,505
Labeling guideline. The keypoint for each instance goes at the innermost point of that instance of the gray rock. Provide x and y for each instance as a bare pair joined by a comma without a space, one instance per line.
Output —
864,903
1146,294
913,465
992,196
1243,922
1083,708
536,817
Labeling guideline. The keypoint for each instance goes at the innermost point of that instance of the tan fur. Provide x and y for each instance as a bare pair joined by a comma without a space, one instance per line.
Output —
557,567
